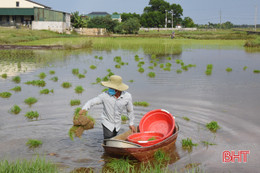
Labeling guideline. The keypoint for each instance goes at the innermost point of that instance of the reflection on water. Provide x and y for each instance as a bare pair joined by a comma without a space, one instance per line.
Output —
231,99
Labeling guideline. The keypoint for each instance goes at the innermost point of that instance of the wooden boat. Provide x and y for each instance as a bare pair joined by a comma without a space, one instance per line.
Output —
138,152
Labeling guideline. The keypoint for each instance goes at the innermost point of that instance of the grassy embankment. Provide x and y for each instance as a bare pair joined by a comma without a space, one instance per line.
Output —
147,40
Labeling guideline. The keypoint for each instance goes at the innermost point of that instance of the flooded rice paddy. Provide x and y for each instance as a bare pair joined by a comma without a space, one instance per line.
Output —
230,98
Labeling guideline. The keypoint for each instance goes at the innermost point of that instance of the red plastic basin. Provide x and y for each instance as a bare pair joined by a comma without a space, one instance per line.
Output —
146,138
158,120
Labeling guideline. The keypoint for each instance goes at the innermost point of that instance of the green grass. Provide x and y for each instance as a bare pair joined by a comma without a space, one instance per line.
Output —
51,72
5,94
30,100
187,143
79,89
75,71
39,83
31,115
42,75
206,143
66,85
16,89
55,78
256,71
186,118
37,164
253,42
33,143
228,69
15,109
213,126
93,67
4,75
151,74
144,104
75,102
16,79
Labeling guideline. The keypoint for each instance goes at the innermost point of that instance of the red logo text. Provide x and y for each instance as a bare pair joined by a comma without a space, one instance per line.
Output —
232,156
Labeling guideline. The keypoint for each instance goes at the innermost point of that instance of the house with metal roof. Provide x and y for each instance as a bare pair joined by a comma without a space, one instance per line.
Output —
35,15
103,14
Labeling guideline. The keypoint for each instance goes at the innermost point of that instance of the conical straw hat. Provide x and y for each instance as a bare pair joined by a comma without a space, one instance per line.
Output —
115,82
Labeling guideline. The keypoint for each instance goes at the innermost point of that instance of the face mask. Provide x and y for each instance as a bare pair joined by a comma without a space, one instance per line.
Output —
111,91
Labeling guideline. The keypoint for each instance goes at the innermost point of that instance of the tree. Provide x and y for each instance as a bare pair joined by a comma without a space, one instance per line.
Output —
78,21
227,25
103,22
161,7
131,26
188,22
126,16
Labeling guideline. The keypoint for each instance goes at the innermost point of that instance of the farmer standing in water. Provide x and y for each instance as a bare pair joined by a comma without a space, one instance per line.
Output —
114,101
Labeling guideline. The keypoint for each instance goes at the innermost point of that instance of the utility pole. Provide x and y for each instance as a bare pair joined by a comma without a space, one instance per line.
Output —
172,18
165,18
220,18
255,17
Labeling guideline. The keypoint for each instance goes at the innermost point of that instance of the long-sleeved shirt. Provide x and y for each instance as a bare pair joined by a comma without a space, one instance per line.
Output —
113,108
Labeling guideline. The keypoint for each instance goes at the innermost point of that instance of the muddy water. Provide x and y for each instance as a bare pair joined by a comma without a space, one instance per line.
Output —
230,98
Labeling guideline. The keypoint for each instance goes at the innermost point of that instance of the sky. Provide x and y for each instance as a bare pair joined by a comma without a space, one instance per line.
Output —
201,11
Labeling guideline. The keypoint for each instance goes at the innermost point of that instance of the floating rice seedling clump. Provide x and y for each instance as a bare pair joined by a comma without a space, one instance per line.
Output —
30,100
33,143
66,85
46,91
144,104
75,71
151,67
137,58
245,67
17,89
80,76
161,65
178,71
169,58
124,118
93,67
213,126
155,64
118,59
75,102
184,67
167,69
209,69
117,66
140,64
15,109
32,115
55,79
16,79
104,90
4,75
5,94
100,58
39,83
178,61
228,69
79,89
42,75
256,71
131,81
187,143
141,70
51,72
151,74
206,143
186,118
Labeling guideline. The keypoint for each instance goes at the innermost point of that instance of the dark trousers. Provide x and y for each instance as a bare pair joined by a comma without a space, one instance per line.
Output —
107,133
